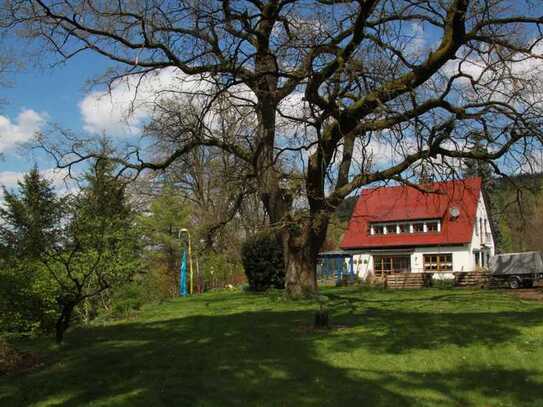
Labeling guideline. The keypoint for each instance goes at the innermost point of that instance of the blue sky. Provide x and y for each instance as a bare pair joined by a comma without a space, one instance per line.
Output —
61,95
37,96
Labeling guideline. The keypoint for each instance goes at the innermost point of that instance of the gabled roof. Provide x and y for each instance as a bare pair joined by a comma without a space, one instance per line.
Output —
406,203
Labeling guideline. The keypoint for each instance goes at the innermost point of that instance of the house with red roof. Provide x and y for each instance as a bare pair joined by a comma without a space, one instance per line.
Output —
441,228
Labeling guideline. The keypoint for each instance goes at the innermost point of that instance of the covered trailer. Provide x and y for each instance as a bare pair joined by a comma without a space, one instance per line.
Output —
517,269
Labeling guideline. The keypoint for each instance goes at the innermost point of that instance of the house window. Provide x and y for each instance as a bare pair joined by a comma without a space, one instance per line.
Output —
432,226
418,227
391,264
476,226
438,262
404,227
378,229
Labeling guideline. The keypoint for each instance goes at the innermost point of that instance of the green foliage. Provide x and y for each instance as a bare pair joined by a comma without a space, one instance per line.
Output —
99,248
262,258
519,213
30,224
27,298
217,270
63,255
443,283
160,227
129,298
30,219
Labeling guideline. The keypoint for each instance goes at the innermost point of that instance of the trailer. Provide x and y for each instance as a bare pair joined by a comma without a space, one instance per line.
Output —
517,269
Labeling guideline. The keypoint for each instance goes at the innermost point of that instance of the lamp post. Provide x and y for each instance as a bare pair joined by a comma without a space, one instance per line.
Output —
184,230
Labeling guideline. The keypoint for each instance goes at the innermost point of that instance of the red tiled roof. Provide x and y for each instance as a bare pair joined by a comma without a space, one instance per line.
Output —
402,203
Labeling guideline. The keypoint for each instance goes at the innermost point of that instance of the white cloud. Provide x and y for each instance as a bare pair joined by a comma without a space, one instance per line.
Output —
9,179
124,109
517,81
13,133
416,46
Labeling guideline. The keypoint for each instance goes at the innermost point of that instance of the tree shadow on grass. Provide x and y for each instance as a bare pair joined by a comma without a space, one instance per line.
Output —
394,331
270,358
405,296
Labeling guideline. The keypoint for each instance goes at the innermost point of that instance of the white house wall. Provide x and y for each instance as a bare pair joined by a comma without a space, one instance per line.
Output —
478,239
462,256
462,259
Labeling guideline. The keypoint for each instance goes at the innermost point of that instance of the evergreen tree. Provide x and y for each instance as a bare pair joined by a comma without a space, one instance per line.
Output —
100,244
29,221
29,227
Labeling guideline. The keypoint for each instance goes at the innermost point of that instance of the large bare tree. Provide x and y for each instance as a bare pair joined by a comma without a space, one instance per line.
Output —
344,94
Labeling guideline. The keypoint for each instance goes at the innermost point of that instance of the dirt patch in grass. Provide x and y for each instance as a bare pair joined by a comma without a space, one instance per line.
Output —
12,361
535,294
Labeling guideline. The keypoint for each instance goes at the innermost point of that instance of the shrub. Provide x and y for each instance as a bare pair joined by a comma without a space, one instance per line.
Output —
443,283
27,298
262,258
131,297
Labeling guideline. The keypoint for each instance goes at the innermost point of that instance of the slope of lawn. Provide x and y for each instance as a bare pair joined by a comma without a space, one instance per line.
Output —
387,348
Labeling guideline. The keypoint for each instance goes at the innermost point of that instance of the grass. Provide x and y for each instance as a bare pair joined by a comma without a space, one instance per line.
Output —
387,348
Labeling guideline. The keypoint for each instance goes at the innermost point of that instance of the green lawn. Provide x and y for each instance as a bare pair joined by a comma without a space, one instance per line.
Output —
387,348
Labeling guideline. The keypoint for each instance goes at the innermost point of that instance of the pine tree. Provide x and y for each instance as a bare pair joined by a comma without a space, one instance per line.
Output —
30,219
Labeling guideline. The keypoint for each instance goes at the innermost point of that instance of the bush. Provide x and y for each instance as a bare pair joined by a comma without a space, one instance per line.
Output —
262,258
131,297
443,283
27,298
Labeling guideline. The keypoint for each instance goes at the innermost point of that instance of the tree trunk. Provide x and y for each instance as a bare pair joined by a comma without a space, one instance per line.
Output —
63,322
301,276
301,240
301,251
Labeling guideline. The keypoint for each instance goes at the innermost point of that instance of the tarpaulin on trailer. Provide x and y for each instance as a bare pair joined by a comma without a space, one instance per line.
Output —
517,263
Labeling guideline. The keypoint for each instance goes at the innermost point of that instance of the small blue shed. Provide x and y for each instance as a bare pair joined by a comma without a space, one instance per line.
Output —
335,263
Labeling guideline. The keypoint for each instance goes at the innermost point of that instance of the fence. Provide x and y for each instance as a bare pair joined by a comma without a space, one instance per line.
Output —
461,279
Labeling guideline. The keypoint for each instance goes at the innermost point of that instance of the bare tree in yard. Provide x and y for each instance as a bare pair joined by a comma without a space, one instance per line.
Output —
219,184
344,94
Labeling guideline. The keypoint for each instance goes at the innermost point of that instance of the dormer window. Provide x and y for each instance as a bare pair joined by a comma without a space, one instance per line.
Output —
378,229
389,228
418,227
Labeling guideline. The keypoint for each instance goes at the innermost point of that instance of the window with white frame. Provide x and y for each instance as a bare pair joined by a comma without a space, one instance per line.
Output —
418,226
438,262
432,226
